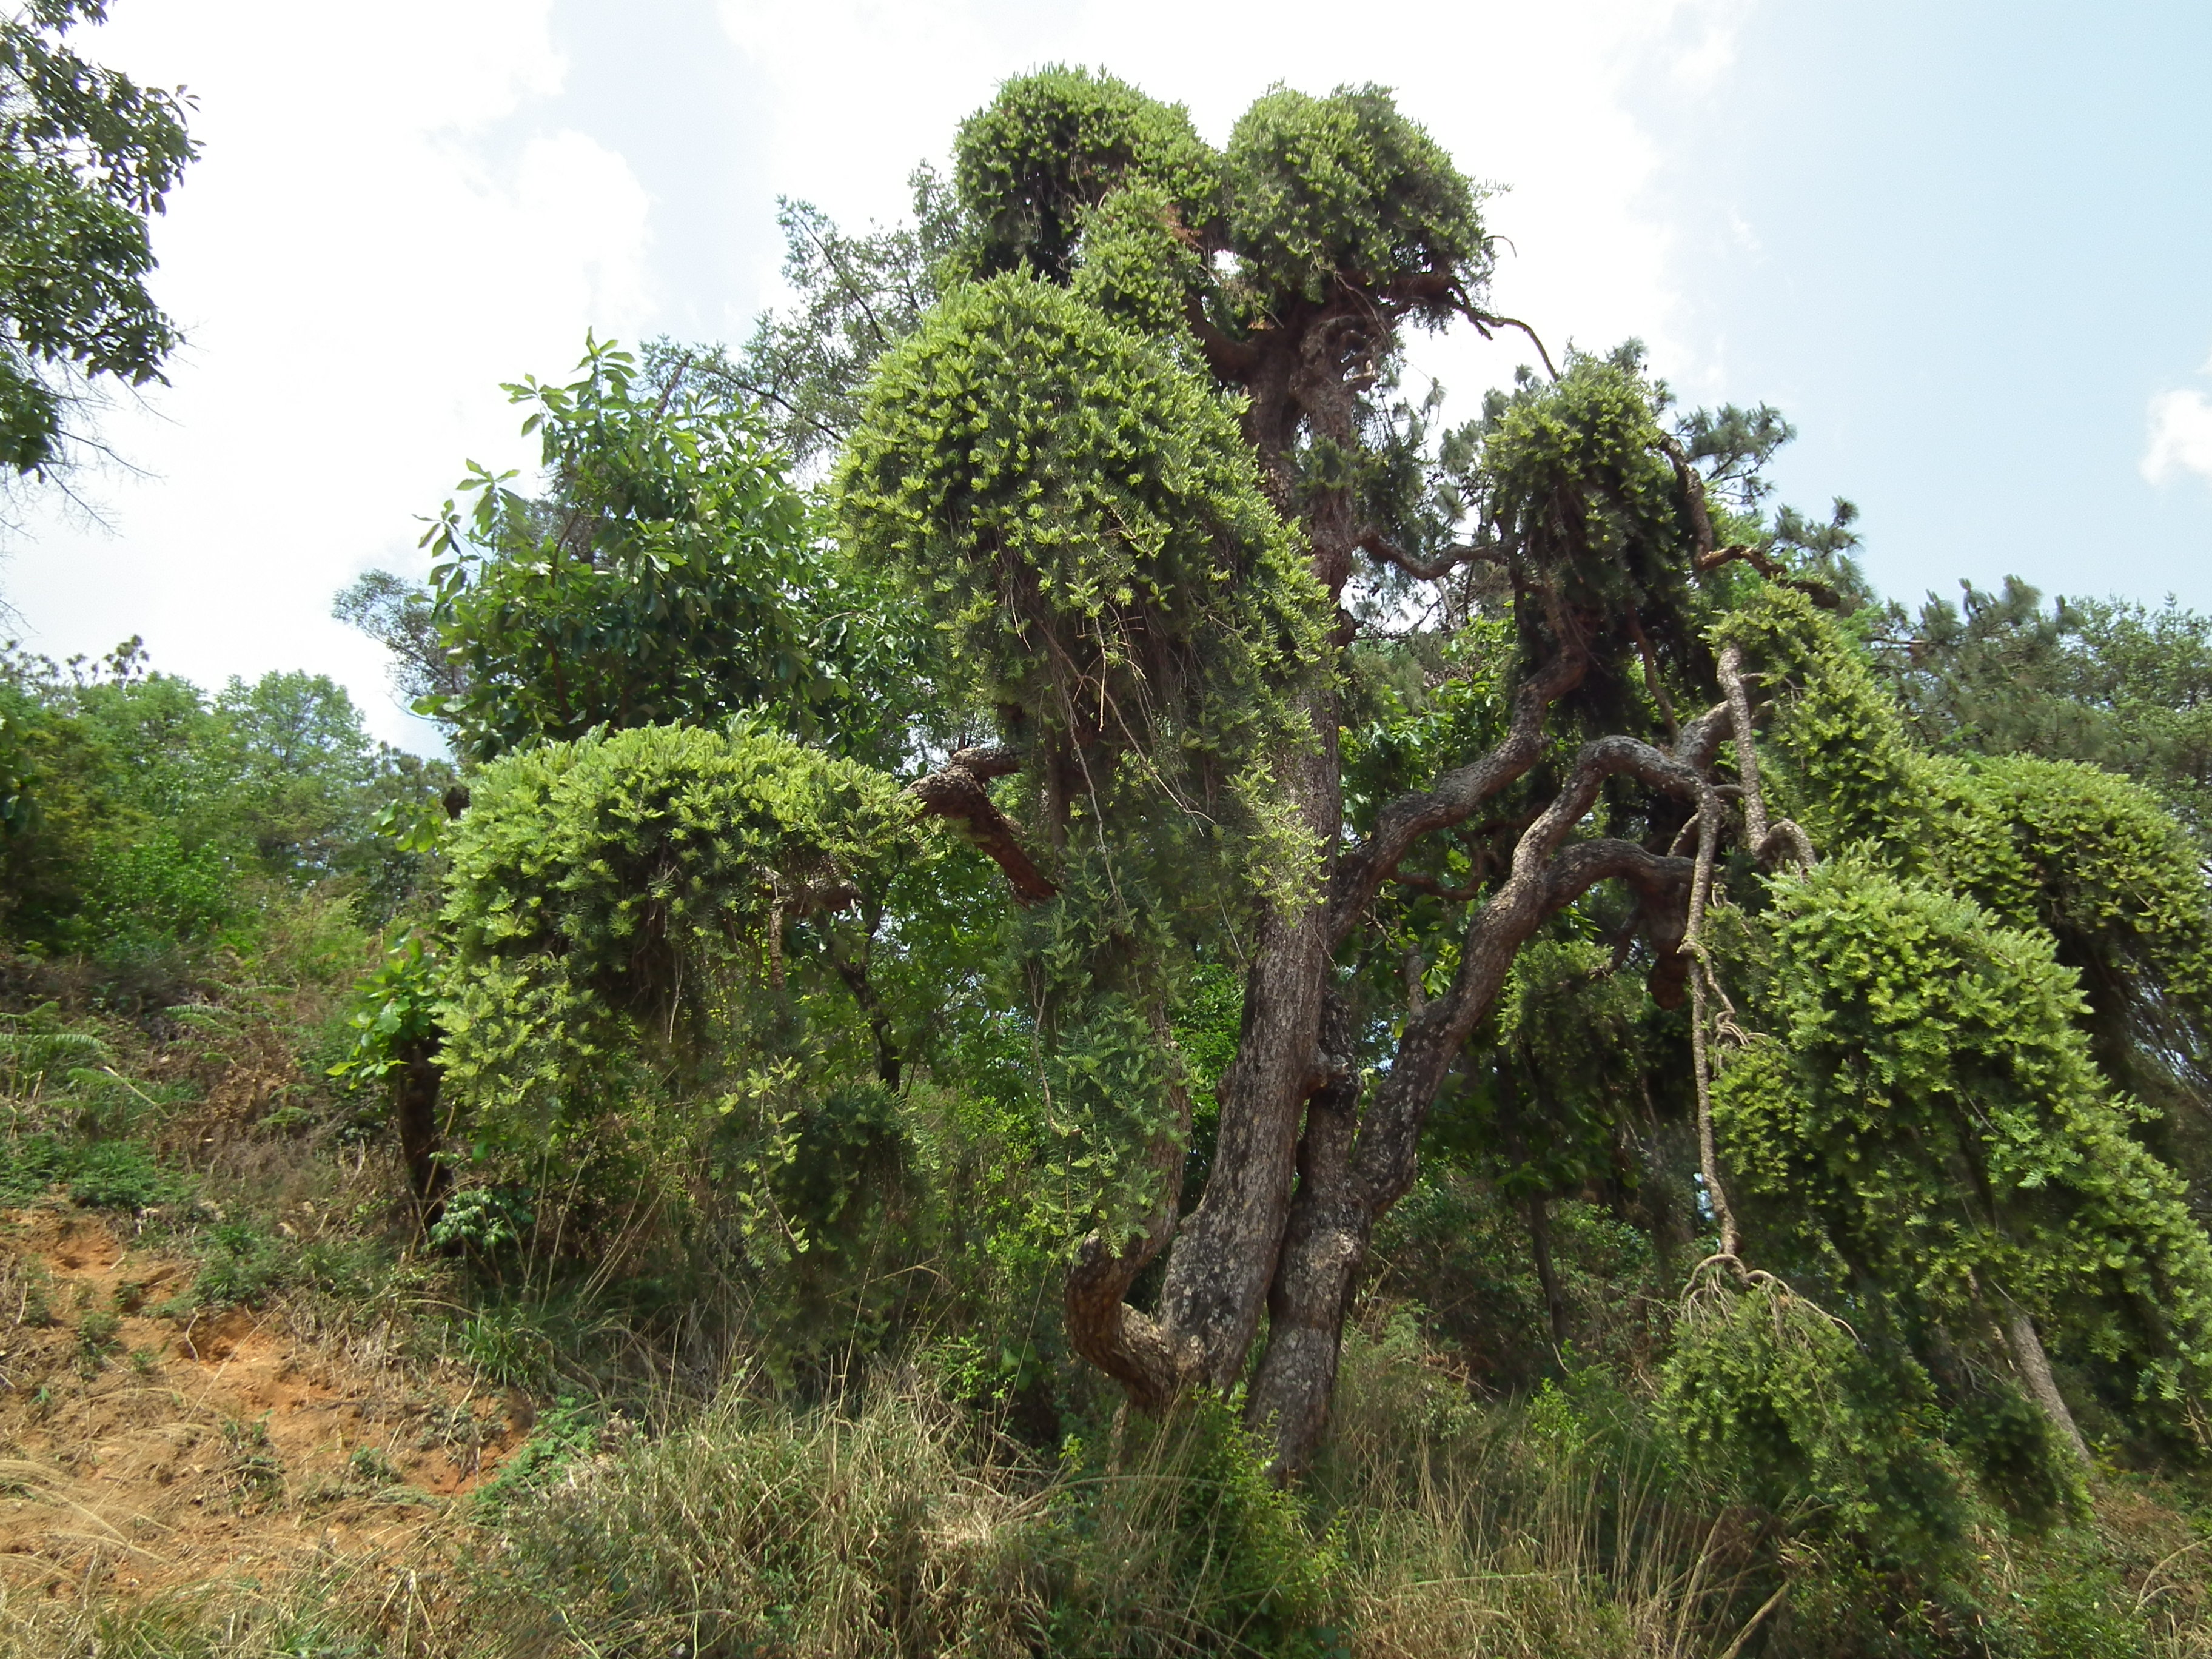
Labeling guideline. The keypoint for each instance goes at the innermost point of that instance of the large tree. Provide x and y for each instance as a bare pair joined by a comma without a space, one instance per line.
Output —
1245,669
1147,464
1145,467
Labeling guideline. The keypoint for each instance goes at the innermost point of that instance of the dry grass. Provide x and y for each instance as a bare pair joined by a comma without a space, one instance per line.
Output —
904,1527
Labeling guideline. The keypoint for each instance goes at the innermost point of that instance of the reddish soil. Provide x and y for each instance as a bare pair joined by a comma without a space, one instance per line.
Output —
170,1449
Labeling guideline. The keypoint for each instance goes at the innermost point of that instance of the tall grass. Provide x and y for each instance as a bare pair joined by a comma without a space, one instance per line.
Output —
895,1525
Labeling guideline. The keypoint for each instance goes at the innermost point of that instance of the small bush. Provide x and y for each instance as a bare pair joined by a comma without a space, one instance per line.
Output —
569,1431
244,1267
121,1175
33,1166
1188,1545
253,1473
95,1339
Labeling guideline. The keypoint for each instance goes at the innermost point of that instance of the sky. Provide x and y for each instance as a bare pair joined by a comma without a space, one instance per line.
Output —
1966,247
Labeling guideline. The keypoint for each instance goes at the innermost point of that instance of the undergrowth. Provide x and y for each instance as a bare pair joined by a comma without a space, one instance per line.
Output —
940,1480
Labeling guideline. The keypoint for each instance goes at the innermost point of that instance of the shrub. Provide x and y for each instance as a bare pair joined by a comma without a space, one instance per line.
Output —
121,1175
244,1267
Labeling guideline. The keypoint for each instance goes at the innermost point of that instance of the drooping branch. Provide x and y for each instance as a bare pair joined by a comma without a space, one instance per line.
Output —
1692,946
1765,843
1487,321
956,791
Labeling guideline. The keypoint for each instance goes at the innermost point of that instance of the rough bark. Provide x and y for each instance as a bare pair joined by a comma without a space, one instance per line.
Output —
1217,1278
1332,1215
956,791
2033,1365
1224,1257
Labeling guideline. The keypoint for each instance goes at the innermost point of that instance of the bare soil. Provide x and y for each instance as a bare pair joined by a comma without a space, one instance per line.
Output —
142,1450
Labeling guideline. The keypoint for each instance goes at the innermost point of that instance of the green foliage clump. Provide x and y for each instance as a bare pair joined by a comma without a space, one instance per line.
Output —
1055,144
2096,861
1924,1101
1190,1524
103,1175
394,1015
154,825
1137,264
1779,1397
1837,746
1076,509
1576,473
87,157
1320,187
243,1267
659,581
607,893
120,1175
2107,683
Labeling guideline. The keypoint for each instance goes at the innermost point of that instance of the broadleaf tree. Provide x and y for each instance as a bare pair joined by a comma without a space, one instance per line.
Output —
88,155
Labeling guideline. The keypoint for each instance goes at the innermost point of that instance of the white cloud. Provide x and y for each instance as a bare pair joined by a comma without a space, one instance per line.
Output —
2180,436
387,222
357,264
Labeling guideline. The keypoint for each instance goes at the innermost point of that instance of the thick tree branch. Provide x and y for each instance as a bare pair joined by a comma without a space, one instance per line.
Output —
1233,361
1693,496
1701,739
956,792
1373,540
1771,568
1767,843
1352,1170
1362,871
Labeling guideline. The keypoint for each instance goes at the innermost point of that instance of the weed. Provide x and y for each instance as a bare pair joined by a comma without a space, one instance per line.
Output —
569,1431
371,1469
33,1166
253,1473
244,1267
121,1175
96,1340
26,1291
